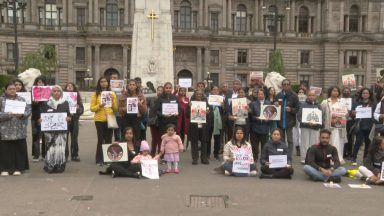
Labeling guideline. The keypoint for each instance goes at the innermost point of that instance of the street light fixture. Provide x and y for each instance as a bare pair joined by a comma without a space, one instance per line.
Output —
88,78
209,80
273,18
16,5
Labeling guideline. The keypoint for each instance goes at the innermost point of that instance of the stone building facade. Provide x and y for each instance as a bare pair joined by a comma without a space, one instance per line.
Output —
320,39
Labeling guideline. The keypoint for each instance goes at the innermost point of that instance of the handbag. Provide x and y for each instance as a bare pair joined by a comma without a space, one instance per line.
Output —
111,120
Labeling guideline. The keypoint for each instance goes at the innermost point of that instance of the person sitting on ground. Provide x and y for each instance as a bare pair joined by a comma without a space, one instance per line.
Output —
238,144
322,160
371,169
275,146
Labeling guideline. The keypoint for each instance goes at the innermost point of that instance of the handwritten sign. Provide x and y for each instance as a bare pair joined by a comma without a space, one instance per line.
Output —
115,152
198,112
170,109
270,112
313,116
349,81
26,95
242,157
71,98
278,161
14,106
185,82
117,85
106,98
132,105
41,93
54,122
363,112
150,169
316,89
215,100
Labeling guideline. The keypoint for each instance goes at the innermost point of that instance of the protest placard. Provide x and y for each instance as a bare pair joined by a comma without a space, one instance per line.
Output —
106,98
239,107
313,116
256,75
347,102
14,106
316,89
198,112
115,152
170,109
215,100
71,98
54,122
185,82
339,117
132,105
26,95
349,81
270,112
278,161
241,163
363,112
117,85
150,169
41,93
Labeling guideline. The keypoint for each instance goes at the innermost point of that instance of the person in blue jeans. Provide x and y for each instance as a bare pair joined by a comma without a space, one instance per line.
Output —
322,161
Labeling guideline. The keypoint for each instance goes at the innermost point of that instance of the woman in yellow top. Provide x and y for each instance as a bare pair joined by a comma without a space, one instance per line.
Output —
102,106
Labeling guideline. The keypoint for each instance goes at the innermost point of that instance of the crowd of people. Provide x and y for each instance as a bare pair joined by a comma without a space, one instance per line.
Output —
325,134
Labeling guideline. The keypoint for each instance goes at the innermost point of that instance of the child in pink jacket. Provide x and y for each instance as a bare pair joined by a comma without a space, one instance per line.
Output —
171,145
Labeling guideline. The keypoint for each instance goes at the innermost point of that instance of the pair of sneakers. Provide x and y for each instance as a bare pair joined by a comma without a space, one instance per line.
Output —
177,171
16,173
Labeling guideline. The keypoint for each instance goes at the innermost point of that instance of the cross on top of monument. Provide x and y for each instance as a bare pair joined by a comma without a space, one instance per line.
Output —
152,16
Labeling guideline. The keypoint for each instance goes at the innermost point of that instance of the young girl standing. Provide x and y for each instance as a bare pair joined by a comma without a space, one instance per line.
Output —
171,145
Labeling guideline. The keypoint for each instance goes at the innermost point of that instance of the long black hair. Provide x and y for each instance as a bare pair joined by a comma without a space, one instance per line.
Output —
371,98
75,89
237,128
41,78
375,145
137,87
330,89
22,85
98,87
133,132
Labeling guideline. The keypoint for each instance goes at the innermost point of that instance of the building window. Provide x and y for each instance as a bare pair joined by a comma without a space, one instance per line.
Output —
19,15
112,14
102,11
10,51
50,15
363,22
269,19
353,57
176,20
354,14
60,16
215,22
41,16
80,18
80,82
305,58
242,56
215,57
80,55
303,20
305,80
241,18
215,79
121,17
185,15
360,80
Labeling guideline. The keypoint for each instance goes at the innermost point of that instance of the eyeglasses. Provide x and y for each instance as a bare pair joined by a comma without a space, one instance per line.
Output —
286,84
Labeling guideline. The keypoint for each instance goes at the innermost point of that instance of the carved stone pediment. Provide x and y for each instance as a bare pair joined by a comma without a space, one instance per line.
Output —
355,38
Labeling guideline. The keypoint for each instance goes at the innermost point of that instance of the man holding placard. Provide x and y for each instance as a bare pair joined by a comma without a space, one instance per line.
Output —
311,118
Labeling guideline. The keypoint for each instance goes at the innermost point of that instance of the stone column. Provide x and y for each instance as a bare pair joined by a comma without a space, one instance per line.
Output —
131,11
369,17
207,57
97,63
381,21
126,8
5,9
89,57
90,11
229,14
70,13
341,16
125,61
201,13
319,16
261,23
72,61
359,59
34,14
292,21
27,12
65,13
341,66
97,10
206,12
309,24
224,16
256,16
369,69
198,65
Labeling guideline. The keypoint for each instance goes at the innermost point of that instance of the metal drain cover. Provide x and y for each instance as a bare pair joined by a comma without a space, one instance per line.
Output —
82,198
198,201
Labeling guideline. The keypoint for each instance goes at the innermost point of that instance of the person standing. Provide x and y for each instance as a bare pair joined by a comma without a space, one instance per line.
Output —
166,98
153,122
117,132
309,131
241,117
215,125
182,120
231,94
104,134
73,127
348,145
289,108
13,144
56,141
322,160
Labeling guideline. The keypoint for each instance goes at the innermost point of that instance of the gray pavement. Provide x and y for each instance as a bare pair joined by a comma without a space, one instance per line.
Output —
38,193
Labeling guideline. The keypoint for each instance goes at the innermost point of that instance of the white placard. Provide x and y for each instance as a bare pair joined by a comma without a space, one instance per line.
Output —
349,81
332,185
359,186
382,172
278,161
215,100
185,82
363,112
54,122
347,102
312,115
256,75
317,90
117,85
115,152
15,107
170,109
106,98
302,97
132,105
241,163
270,112
26,95
198,112
71,98
150,169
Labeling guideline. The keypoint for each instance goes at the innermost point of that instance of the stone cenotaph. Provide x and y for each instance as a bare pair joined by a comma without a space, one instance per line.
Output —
152,49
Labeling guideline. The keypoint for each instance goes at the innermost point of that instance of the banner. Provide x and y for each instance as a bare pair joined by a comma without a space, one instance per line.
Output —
198,112
54,122
115,152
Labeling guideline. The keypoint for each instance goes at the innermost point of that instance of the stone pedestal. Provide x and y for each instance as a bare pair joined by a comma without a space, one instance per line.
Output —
152,59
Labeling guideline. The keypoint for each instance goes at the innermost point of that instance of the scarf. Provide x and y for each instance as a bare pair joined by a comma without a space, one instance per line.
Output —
54,103
217,124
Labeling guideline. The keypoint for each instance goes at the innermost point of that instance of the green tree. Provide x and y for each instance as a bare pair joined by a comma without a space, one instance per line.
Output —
44,59
276,62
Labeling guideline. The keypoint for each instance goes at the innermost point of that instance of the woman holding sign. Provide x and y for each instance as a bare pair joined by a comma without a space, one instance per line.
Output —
363,112
13,145
132,107
182,120
238,157
102,110
237,110
55,129
275,160
167,108
373,162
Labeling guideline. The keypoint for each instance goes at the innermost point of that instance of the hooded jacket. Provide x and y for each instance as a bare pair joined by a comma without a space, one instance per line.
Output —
274,148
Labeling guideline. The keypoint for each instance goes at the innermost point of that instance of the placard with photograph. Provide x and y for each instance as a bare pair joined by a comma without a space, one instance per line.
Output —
117,85
71,98
54,121
312,115
41,93
349,81
339,117
198,112
215,100
115,152
132,105
256,75
317,90
270,112
239,107
106,98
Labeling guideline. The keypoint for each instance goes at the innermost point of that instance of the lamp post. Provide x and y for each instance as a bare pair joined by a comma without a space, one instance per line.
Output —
16,5
88,78
209,80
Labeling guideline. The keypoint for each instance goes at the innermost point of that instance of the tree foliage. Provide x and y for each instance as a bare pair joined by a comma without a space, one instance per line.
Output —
276,62
44,59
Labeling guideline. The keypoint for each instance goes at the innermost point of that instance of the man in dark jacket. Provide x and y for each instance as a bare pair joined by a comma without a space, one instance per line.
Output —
322,161
290,106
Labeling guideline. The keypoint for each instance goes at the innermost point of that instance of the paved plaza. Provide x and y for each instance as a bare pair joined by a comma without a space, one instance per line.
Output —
39,193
